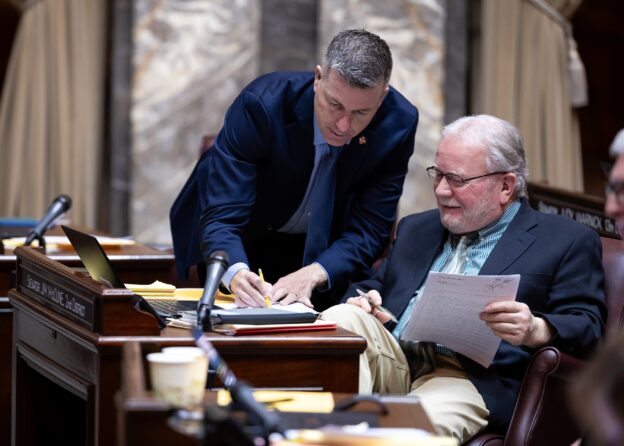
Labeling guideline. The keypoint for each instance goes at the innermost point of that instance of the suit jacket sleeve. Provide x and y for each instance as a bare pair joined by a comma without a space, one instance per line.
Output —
575,304
227,176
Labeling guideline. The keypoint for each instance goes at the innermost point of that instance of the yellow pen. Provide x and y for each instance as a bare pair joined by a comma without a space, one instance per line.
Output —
267,301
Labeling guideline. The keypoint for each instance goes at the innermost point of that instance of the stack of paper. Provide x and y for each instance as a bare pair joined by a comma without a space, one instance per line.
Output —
62,242
287,400
246,329
155,289
362,435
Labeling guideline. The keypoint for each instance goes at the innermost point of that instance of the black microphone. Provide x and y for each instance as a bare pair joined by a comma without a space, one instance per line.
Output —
59,206
216,266
240,391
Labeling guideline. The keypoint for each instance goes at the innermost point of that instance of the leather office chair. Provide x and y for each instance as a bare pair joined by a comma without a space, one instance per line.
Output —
542,415
207,142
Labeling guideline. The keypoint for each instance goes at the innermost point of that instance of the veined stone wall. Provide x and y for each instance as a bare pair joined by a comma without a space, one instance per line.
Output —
192,57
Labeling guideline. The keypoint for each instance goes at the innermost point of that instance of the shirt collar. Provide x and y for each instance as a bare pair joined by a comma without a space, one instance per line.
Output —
502,222
318,136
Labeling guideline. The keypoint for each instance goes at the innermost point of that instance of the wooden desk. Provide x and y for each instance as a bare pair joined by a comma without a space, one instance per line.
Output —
68,331
143,419
6,330
135,264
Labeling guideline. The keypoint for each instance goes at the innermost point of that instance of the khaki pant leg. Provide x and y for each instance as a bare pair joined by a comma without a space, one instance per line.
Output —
383,367
452,402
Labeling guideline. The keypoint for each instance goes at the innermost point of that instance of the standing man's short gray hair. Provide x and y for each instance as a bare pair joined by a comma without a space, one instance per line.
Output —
361,58
502,141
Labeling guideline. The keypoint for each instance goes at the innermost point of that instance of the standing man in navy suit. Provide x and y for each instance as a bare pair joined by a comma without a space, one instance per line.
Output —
303,179
479,180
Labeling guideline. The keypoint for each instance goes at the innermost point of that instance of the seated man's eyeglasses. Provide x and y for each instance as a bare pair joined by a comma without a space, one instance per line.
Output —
453,179
617,188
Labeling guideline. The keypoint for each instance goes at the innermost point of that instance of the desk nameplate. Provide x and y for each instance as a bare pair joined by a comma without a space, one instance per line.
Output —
585,209
78,298
62,300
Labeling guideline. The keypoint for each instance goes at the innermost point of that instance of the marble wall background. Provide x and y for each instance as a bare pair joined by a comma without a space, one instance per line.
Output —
192,57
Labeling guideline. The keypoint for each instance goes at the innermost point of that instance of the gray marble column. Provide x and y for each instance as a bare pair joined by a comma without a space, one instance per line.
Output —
191,58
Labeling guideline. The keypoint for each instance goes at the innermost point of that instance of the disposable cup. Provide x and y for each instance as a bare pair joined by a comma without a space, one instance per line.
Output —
178,377
201,369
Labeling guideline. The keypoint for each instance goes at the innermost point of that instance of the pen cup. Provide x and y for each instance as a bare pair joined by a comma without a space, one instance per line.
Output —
178,375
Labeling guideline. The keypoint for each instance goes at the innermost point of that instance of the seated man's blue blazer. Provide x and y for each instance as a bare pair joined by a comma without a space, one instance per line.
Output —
254,177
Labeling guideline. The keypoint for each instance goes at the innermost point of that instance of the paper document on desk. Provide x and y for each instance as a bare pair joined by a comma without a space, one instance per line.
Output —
448,313
295,307
62,242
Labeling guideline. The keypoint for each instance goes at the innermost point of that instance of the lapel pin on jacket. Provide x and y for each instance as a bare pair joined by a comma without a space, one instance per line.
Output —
362,140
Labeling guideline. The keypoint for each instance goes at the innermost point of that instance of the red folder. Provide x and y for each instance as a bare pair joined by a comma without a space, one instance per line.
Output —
243,329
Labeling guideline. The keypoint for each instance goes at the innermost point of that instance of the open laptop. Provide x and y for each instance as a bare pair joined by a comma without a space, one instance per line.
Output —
101,269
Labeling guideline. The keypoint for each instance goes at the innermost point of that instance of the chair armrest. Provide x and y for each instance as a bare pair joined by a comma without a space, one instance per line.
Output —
541,415
485,439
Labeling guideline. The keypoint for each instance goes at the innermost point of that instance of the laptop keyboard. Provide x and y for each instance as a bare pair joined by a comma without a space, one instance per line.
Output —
170,308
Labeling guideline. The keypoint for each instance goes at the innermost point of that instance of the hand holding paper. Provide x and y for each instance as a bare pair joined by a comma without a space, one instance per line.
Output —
514,322
449,311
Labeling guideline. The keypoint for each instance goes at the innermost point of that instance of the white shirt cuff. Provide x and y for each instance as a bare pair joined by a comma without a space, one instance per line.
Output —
328,285
231,272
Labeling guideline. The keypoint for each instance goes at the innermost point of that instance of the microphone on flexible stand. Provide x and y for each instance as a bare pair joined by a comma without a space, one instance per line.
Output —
240,392
216,266
59,206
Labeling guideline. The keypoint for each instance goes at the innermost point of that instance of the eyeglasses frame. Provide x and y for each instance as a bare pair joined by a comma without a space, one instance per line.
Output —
617,189
462,180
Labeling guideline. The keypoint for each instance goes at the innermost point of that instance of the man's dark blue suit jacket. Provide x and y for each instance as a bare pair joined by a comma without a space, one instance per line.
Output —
560,264
255,176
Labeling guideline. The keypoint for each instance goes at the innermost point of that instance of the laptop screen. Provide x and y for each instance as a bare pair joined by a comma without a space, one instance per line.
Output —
93,257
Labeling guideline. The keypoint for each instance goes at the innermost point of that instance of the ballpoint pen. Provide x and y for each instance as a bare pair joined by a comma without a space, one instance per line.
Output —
379,307
267,301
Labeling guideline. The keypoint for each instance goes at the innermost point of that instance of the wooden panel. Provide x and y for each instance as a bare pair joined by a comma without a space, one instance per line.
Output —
135,264
6,330
583,208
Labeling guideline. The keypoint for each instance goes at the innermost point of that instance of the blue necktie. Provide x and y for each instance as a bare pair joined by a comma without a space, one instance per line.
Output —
321,205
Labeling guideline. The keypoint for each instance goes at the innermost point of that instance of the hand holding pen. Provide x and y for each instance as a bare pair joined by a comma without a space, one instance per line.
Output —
267,299
377,307
249,289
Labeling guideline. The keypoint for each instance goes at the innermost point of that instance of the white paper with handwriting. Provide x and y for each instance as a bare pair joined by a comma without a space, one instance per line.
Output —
448,313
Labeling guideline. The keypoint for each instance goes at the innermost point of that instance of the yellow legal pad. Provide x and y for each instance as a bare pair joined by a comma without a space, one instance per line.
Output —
62,242
288,401
372,437
161,290
156,288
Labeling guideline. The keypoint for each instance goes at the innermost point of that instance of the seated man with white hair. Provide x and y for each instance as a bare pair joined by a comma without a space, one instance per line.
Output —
614,206
483,226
